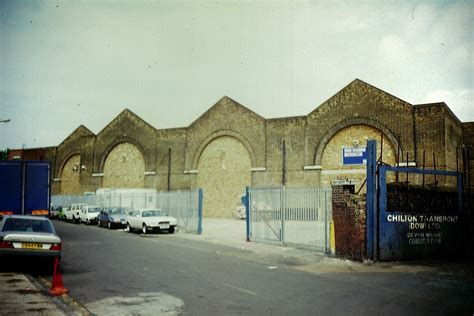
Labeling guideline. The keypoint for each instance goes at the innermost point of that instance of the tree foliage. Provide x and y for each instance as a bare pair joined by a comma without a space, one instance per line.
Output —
4,154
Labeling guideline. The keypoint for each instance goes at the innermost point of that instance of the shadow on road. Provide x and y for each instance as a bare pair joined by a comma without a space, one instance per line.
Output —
33,266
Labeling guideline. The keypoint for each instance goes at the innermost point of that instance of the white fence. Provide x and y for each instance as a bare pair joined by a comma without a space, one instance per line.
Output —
298,217
184,205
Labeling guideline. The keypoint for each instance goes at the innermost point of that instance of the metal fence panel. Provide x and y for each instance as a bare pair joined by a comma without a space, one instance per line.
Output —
291,216
184,205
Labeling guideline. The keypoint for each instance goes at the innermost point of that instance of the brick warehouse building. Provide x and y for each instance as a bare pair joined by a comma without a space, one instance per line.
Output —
230,147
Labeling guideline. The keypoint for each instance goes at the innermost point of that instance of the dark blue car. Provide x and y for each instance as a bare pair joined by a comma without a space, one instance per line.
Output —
113,217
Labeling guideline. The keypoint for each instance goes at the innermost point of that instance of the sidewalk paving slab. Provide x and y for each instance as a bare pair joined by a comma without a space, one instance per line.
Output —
21,295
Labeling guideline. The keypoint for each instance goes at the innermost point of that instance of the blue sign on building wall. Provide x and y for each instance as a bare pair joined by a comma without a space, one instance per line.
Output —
354,155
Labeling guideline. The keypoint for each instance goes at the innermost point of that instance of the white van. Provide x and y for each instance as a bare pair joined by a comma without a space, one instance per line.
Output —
73,213
89,214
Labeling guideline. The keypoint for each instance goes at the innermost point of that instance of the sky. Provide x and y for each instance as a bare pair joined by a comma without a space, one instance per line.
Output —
67,63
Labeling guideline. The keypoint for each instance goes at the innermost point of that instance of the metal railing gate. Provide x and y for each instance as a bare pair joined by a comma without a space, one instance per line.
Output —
296,217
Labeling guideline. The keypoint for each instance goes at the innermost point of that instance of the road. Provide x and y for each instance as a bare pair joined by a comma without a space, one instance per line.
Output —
111,272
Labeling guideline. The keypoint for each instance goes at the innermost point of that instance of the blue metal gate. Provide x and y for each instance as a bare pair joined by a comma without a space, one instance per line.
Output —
404,225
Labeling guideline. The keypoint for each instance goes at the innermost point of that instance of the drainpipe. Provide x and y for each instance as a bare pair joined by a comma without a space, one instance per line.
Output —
415,147
169,168
283,178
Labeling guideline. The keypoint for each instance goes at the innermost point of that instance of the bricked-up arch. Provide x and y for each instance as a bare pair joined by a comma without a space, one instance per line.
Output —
223,133
127,127
70,175
351,122
224,170
124,167
351,136
124,140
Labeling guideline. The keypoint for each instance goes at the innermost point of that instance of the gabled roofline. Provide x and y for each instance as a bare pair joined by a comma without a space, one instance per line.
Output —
351,83
123,112
297,117
218,102
79,127
441,104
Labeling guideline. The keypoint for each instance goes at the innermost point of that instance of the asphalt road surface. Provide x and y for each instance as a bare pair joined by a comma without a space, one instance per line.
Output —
114,272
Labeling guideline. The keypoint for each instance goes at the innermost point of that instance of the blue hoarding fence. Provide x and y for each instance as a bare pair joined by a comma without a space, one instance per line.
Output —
400,226
25,187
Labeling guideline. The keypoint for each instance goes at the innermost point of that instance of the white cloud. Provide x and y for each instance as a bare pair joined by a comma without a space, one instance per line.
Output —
393,49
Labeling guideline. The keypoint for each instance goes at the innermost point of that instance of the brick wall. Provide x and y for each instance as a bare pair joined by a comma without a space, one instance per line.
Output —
331,162
310,140
124,168
348,211
468,152
224,172
70,176
359,103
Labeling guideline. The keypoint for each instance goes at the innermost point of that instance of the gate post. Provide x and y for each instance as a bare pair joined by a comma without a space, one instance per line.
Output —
371,216
247,213
199,211
282,214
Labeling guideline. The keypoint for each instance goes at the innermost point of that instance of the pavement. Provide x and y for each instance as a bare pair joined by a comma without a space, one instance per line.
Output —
21,294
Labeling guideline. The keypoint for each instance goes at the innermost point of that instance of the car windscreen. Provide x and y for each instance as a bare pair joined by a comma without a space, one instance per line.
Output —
119,211
27,225
153,213
94,209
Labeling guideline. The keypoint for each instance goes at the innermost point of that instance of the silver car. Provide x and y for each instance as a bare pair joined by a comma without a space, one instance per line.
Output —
28,236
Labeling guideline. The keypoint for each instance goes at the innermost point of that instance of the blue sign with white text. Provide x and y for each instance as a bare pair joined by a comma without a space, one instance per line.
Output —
354,155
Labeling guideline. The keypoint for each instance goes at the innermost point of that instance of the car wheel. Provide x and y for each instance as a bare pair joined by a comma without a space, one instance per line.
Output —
171,230
109,225
128,228
144,229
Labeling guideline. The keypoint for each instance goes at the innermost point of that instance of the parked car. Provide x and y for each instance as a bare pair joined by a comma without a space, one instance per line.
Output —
89,213
147,220
61,215
53,212
113,217
22,235
73,213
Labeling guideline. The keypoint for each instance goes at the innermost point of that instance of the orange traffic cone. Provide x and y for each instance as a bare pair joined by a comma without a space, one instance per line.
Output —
57,287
